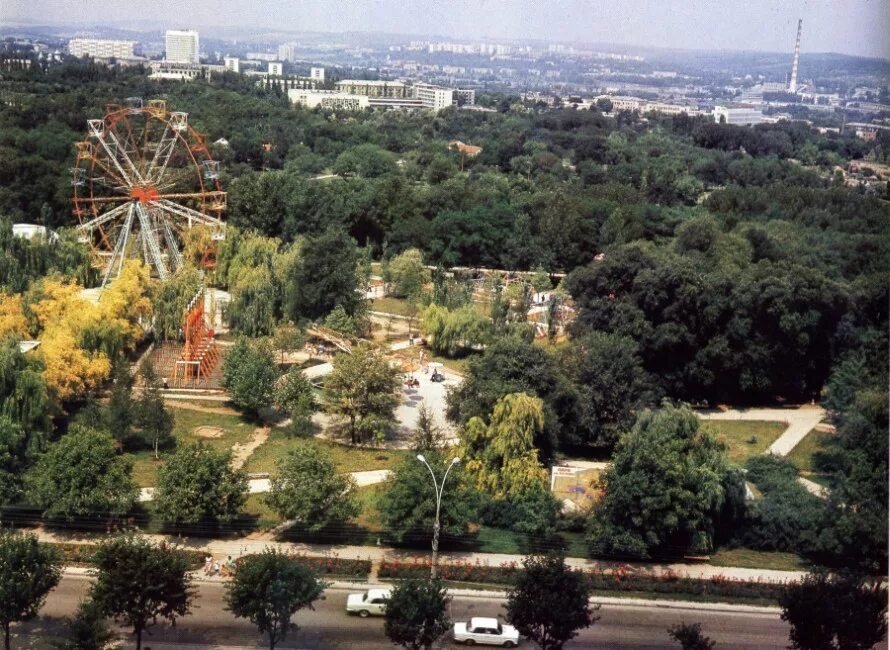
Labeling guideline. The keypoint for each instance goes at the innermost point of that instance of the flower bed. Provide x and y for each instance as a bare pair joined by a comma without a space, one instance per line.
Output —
333,566
83,554
623,579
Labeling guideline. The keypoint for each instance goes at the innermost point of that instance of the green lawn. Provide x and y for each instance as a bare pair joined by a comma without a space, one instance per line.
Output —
234,429
745,438
391,305
748,558
346,458
802,454
266,517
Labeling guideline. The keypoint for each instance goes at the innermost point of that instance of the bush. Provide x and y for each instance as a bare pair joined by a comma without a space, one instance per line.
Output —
768,471
332,566
72,554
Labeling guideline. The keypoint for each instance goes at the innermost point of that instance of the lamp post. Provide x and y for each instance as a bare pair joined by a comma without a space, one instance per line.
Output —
437,488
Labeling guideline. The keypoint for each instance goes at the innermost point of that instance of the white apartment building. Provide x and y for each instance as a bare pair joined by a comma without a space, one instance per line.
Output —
327,99
101,49
287,52
316,74
738,114
182,46
434,97
232,63
275,69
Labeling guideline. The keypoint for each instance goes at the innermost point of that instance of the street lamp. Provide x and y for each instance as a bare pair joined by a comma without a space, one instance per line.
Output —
437,488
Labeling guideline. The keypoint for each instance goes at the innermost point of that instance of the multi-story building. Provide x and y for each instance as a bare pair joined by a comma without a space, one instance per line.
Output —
183,71
275,69
287,52
738,114
101,49
390,89
232,63
434,97
182,46
328,99
317,74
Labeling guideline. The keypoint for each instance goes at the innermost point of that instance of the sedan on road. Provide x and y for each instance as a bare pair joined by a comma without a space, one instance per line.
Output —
372,602
486,631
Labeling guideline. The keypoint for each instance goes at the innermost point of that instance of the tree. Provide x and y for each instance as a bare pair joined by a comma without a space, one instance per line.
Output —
87,629
408,503
362,388
454,332
197,484
326,276
549,602
308,489
151,415
138,582
120,406
80,475
512,365
28,572
249,374
268,589
834,612
690,637
13,460
501,455
611,384
427,434
417,613
664,490
294,395
408,277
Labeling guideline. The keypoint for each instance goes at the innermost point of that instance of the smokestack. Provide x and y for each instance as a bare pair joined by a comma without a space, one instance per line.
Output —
792,86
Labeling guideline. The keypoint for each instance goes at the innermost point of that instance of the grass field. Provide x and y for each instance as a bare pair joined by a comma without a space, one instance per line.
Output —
390,305
346,459
747,558
802,454
745,438
234,429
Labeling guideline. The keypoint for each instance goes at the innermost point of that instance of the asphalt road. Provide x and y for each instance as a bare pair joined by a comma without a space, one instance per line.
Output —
210,625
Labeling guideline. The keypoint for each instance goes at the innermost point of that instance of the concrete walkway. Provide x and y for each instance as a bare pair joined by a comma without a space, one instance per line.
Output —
242,546
799,422
260,485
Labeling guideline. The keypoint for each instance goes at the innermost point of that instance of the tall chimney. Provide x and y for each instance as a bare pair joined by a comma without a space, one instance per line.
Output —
792,86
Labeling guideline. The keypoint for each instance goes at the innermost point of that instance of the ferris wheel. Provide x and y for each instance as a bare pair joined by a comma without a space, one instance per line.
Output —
143,176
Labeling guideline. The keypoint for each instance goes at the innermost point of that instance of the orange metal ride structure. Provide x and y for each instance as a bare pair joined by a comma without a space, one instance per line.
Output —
141,178
200,354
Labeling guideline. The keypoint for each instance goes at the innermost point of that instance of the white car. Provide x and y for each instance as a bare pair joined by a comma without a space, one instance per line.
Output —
372,602
486,631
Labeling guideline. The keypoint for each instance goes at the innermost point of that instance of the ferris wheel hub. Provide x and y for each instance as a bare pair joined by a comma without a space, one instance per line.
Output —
145,194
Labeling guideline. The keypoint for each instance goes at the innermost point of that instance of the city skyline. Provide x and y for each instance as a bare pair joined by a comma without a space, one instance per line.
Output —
858,27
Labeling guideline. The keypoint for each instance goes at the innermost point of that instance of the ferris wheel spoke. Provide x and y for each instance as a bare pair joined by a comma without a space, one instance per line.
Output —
150,240
166,147
193,195
105,217
125,157
120,246
188,213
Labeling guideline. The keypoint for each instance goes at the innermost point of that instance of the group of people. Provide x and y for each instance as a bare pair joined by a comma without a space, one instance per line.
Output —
216,568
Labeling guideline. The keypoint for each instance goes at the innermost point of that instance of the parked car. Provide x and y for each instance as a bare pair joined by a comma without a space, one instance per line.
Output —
486,631
370,603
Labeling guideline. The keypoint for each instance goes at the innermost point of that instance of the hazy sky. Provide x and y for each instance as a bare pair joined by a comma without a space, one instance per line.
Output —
849,26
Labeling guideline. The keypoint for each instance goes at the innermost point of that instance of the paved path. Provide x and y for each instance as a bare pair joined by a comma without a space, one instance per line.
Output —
260,485
241,546
800,422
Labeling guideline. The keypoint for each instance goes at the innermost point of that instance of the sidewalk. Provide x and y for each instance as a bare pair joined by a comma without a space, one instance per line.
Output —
243,546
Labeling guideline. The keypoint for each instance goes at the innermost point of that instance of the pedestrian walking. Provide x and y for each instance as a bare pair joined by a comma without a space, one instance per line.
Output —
208,565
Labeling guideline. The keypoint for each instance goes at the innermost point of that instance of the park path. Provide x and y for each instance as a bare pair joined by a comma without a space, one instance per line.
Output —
180,403
799,423
262,484
243,546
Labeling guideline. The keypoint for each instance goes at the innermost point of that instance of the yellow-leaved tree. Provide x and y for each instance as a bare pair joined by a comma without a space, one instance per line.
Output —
501,455
13,323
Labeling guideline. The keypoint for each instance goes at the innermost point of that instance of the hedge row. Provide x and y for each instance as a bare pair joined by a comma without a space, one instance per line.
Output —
72,554
623,579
